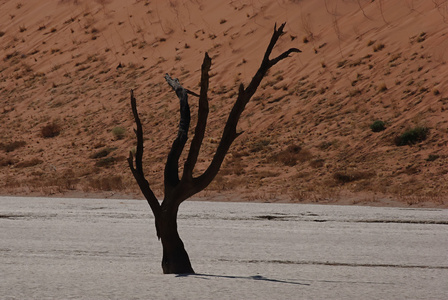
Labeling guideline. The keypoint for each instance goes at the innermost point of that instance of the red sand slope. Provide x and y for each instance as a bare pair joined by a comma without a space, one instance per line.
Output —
307,130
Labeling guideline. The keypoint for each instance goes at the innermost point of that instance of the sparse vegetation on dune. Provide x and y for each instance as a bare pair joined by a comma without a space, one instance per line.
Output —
51,130
367,93
119,132
378,126
11,146
412,136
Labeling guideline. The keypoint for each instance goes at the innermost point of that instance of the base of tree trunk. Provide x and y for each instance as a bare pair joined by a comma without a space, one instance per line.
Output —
176,261
175,258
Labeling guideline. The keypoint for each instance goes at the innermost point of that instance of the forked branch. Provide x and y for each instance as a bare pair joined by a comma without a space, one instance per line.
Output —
244,95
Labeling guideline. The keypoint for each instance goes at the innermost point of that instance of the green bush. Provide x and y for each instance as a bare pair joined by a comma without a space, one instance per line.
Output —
378,126
119,132
412,136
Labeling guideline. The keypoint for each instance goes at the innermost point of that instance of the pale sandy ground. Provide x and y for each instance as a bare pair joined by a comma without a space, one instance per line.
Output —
64,248
361,61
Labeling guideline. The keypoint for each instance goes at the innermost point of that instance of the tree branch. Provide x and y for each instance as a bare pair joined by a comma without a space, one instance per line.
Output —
202,121
137,171
284,55
244,95
172,163
266,63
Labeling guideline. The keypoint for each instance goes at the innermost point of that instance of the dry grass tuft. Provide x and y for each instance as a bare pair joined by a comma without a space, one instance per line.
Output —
344,177
29,163
107,183
119,132
378,47
102,153
106,162
259,145
292,155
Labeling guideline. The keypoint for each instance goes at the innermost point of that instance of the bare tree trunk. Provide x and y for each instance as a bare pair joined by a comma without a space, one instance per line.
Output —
175,258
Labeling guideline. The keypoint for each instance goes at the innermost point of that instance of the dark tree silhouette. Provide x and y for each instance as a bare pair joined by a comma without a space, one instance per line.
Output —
175,259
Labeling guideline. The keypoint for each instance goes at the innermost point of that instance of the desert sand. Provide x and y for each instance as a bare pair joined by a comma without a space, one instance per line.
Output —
67,66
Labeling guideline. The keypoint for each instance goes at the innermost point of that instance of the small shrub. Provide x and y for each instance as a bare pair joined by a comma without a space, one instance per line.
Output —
12,146
292,155
326,144
50,130
259,145
105,162
382,87
354,92
432,157
29,163
4,161
378,126
421,37
378,47
289,156
109,183
102,153
11,55
351,176
341,63
119,132
412,136
317,163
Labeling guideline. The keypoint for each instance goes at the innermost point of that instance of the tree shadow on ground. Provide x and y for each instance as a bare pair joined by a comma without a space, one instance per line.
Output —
255,277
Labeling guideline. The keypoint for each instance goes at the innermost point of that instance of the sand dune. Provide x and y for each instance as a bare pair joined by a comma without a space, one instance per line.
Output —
307,137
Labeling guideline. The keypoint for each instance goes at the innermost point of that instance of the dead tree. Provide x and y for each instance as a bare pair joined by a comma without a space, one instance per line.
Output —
175,259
